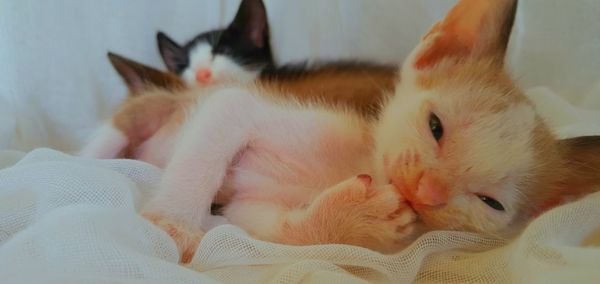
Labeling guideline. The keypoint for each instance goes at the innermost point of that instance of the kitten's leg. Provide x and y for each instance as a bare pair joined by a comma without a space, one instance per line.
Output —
107,142
186,240
352,212
218,130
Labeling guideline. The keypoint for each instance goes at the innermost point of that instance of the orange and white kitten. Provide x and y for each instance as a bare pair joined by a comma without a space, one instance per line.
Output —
458,146
158,99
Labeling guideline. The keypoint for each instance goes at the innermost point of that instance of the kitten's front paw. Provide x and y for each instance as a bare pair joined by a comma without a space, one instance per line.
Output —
186,238
397,219
376,218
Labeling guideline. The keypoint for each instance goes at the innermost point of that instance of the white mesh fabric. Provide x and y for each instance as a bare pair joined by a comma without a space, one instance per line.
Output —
68,220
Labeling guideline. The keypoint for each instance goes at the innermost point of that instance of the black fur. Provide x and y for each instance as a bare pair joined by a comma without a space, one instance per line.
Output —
177,57
296,70
245,41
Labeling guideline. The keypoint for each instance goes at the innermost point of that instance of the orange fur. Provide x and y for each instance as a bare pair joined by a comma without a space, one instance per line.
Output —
141,117
363,207
140,78
362,88
155,96
472,27
186,241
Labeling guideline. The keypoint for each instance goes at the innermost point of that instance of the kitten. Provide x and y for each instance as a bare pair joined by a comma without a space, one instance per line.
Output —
154,96
458,146
239,52
458,140
242,52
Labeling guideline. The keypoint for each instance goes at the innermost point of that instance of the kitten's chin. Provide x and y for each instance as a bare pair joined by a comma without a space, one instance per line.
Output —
206,84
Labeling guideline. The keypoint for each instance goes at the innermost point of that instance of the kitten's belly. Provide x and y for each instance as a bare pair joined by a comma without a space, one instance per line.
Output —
292,168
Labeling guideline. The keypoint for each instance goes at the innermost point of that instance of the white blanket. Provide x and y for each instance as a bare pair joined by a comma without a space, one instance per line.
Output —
69,220
64,219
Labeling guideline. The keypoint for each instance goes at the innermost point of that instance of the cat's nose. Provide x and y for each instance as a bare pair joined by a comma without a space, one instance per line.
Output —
431,191
422,188
203,76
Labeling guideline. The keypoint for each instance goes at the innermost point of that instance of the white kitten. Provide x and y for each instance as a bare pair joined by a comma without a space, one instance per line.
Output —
237,53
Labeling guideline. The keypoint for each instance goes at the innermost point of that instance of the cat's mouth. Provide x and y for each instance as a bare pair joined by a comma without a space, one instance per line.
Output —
418,207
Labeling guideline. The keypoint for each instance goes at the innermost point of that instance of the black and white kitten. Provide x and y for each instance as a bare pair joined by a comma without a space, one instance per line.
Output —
239,52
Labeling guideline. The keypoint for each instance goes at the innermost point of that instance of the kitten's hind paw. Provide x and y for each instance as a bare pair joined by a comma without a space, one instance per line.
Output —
186,238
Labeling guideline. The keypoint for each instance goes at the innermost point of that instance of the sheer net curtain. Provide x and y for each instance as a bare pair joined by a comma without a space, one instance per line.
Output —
70,220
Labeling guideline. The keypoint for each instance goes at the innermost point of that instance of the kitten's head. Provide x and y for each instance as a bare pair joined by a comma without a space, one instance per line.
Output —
239,52
459,139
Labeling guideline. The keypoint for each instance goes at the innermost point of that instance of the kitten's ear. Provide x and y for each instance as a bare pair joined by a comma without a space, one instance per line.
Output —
251,23
140,77
473,28
581,156
175,57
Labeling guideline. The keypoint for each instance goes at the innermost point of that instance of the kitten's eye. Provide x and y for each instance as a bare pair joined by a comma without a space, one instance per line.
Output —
221,49
491,202
436,127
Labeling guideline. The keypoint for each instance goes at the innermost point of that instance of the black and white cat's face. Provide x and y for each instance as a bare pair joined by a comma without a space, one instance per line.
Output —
237,53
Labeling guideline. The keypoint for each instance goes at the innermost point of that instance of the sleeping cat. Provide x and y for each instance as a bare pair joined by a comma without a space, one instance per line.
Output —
458,146
154,98
239,52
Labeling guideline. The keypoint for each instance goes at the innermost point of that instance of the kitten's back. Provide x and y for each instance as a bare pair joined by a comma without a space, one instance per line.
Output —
355,85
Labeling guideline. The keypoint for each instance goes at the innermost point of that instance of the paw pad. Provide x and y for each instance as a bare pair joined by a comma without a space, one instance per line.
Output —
366,179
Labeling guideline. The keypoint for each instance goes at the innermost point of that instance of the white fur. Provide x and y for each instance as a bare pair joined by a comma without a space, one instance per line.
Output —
490,152
223,69
200,57
261,223
106,143
157,150
238,142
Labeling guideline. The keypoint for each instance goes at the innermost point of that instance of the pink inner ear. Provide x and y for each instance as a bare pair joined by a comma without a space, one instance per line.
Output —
257,38
134,81
443,46
457,34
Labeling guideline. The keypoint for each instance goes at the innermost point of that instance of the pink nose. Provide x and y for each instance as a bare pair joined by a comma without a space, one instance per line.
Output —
203,76
423,188
432,192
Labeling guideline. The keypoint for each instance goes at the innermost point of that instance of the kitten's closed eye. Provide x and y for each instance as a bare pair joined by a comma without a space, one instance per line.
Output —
222,49
493,203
